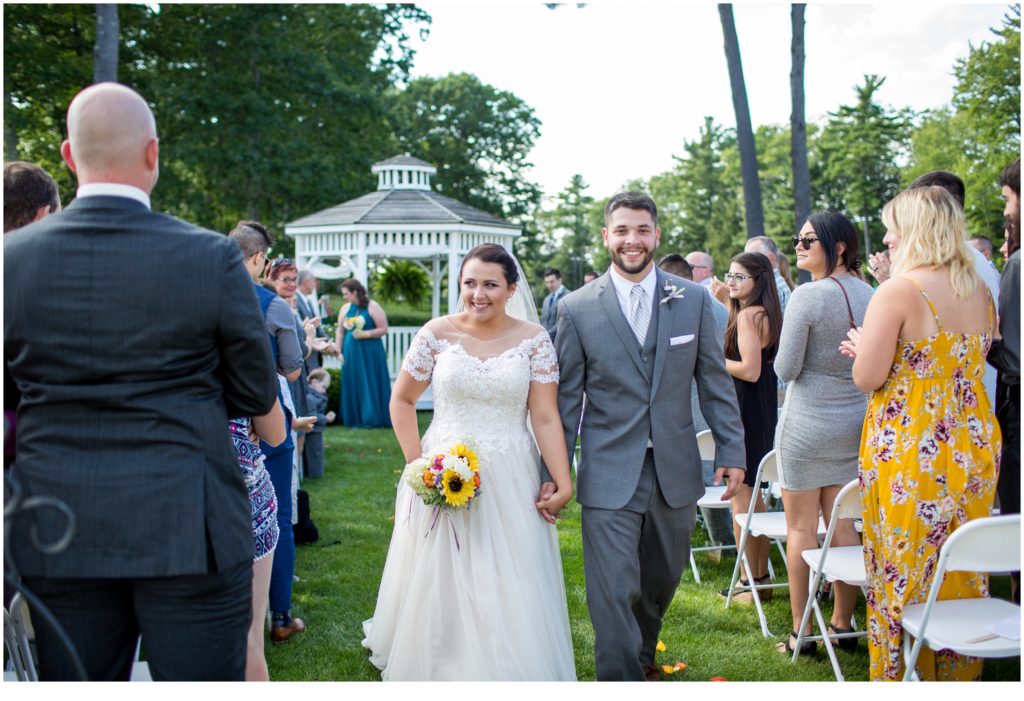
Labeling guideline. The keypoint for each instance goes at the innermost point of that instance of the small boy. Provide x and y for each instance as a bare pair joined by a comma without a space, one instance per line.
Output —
316,404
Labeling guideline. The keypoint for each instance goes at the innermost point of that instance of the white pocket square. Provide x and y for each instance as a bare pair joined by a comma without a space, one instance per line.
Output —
680,340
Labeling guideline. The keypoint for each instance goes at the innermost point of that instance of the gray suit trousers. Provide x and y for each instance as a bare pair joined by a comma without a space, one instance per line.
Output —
633,558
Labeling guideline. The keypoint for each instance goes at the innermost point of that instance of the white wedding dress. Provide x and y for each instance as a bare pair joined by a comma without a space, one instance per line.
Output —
479,594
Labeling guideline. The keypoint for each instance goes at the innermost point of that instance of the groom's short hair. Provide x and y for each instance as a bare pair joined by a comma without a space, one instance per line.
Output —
631,200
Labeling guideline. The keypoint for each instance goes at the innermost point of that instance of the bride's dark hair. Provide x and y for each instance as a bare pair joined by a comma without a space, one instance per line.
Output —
493,253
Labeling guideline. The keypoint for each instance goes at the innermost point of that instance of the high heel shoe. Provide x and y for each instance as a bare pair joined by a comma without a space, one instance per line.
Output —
847,644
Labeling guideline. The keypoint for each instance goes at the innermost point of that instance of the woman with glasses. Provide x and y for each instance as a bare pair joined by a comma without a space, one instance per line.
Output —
929,455
365,382
818,436
751,337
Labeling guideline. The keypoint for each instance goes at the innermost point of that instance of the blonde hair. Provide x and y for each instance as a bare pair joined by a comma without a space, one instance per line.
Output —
932,232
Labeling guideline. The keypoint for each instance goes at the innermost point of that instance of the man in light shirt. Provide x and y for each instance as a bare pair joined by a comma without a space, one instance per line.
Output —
703,267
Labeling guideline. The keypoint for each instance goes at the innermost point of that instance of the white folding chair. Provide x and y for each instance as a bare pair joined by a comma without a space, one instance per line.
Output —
17,639
834,564
982,545
712,499
769,524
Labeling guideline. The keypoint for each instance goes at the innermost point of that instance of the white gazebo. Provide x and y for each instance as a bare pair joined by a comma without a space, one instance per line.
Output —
404,218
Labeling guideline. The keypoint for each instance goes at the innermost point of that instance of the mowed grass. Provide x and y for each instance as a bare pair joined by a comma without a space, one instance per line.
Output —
352,505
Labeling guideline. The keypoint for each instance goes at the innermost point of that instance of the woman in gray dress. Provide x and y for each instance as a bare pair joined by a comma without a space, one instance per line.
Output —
818,435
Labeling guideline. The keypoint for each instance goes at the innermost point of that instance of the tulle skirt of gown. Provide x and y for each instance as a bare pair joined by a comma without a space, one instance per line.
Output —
479,594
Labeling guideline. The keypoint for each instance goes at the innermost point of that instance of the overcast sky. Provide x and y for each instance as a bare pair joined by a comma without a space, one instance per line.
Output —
619,86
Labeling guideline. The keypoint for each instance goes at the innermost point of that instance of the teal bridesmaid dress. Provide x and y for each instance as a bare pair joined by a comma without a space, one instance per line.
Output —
365,384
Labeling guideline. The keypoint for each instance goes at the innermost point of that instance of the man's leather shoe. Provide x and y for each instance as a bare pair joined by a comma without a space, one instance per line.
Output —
652,674
282,634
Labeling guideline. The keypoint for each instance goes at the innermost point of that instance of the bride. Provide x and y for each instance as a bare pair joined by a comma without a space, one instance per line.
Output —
477,593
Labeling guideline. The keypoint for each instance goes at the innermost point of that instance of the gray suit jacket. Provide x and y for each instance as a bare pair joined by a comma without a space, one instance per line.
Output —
598,356
125,403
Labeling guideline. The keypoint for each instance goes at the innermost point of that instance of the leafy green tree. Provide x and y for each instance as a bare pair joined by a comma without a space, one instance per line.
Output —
270,112
979,133
477,135
701,205
573,228
48,58
860,146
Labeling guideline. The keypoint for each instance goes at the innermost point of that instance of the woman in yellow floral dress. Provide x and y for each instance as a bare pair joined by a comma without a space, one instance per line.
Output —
930,445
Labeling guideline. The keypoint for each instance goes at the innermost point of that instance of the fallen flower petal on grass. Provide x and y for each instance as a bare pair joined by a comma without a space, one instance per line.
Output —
680,666
668,669
660,647
718,679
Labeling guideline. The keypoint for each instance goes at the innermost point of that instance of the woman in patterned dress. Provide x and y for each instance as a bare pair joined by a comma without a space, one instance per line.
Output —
263,503
928,459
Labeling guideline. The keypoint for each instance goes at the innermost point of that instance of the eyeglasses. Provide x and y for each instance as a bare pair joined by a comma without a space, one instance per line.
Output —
288,280
738,277
807,242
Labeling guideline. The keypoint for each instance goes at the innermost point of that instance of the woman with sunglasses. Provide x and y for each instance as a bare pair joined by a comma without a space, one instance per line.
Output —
818,436
365,382
751,337
929,457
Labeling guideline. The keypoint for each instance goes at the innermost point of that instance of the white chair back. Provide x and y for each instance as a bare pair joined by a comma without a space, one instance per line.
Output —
768,470
848,504
706,444
990,544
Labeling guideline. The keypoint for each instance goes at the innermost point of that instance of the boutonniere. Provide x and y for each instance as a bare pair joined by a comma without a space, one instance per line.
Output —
671,292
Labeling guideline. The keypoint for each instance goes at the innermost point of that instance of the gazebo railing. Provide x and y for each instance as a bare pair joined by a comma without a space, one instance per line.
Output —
396,345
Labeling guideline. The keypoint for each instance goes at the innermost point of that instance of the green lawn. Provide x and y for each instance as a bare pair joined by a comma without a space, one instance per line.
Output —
352,506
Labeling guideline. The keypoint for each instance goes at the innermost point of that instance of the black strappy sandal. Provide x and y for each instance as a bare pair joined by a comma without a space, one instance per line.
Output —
846,644
808,647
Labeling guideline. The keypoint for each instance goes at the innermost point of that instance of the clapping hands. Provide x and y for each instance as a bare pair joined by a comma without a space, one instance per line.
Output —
879,265
849,347
303,424
720,290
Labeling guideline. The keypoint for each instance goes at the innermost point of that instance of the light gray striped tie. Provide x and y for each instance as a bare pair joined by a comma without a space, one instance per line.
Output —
639,314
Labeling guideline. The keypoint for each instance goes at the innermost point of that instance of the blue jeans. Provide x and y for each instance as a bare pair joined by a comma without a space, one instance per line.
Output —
279,465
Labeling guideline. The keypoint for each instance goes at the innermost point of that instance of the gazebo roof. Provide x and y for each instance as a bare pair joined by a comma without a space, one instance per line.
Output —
402,207
404,160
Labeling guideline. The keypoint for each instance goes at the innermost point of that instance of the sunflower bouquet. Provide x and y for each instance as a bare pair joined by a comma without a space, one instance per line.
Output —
447,480
354,323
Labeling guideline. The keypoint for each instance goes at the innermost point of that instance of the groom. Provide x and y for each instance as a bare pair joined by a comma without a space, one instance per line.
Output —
633,341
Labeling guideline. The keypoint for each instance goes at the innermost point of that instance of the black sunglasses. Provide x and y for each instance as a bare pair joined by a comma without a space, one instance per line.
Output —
805,241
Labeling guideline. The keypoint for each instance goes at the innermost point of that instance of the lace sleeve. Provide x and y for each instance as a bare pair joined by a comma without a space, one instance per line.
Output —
543,361
419,360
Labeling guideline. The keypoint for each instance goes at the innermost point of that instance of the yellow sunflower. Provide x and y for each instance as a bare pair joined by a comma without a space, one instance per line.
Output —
461,450
457,491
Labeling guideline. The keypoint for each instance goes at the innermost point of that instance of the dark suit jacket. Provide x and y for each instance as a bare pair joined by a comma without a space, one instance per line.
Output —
306,312
125,401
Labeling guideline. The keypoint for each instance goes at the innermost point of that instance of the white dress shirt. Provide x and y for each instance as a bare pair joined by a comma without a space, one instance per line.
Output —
624,287
114,190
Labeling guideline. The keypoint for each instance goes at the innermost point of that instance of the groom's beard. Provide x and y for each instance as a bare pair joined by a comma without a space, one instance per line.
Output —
631,268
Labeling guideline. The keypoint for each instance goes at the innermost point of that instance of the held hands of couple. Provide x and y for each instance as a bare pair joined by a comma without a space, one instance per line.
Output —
551,500
734,478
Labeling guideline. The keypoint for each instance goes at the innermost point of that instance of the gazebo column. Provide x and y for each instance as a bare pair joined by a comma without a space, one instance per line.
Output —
453,272
435,283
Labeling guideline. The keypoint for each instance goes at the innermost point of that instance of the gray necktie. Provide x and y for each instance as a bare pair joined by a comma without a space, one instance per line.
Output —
639,314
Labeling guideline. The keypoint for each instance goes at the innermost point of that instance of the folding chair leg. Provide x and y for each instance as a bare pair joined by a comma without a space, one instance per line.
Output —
911,651
823,627
693,566
814,581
